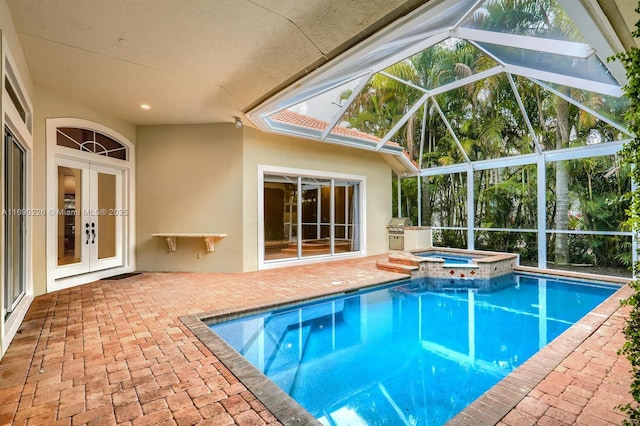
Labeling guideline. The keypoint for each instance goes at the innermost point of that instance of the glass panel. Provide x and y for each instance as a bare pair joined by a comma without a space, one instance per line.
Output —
109,147
590,68
446,200
539,18
409,198
347,216
280,217
560,124
445,63
72,137
15,210
317,112
106,219
487,120
440,148
15,100
69,215
593,254
506,198
316,208
378,107
90,141
453,238
522,242
609,107
410,135
586,195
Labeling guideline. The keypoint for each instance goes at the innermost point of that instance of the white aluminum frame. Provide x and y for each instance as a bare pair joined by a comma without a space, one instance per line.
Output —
541,160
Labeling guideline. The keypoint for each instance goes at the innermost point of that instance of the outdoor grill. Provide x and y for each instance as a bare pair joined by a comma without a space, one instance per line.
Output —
396,228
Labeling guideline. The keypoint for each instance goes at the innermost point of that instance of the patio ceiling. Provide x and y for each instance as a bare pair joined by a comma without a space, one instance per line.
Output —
196,61
208,61
567,56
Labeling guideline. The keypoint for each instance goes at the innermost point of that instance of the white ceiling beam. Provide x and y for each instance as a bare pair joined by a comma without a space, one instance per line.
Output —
524,113
445,170
596,29
557,47
514,161
467,80
414,49
588,151
470,12
566,80
405,82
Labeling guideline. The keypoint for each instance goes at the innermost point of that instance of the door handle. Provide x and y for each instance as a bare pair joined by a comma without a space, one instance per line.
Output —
87,233
93,232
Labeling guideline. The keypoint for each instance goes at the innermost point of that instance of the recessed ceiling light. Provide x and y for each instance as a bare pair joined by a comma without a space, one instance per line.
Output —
145,106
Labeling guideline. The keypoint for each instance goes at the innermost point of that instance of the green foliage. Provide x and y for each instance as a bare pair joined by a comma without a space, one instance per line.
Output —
631,349
488,124
631,155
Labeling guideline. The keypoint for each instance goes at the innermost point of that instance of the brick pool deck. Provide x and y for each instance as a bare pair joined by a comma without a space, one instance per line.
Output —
116,352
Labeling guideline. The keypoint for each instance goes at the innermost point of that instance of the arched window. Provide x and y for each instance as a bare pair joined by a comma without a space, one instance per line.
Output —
90,141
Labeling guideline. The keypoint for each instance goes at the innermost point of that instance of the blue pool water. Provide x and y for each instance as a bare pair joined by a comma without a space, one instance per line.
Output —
449,259
408,354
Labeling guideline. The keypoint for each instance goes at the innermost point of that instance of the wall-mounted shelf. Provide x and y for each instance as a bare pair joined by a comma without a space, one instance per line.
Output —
170,238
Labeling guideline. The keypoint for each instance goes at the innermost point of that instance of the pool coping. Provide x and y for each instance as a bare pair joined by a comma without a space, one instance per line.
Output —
489,408
503,397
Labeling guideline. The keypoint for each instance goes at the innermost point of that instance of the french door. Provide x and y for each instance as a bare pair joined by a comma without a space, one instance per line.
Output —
89,217
14,222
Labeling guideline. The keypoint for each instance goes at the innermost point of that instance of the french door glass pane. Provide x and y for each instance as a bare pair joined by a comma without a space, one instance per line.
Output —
106,215
69,215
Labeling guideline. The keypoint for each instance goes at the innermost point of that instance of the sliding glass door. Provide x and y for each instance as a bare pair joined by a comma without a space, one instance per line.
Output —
307,216
14,213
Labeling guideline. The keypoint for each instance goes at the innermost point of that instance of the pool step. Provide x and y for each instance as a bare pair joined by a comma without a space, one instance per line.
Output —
402,263
397,267
405,258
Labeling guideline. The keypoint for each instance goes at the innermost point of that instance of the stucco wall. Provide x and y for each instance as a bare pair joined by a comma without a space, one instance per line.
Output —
282,151
189,180
204,179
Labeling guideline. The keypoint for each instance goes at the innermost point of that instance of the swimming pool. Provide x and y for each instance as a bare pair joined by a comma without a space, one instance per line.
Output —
429,353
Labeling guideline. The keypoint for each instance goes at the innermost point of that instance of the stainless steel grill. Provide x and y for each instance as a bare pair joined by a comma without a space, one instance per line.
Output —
395,228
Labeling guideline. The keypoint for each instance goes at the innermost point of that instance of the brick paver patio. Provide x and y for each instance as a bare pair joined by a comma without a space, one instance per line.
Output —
116,352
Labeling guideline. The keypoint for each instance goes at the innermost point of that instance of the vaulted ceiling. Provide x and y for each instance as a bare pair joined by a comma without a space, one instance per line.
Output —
200,61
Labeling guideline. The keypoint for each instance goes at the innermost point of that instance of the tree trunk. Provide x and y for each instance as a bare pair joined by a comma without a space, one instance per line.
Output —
426,202
562,185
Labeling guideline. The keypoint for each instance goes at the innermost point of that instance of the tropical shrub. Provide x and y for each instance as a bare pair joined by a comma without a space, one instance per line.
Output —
631,155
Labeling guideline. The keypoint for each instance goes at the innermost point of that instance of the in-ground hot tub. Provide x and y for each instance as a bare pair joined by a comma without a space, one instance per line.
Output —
446,263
